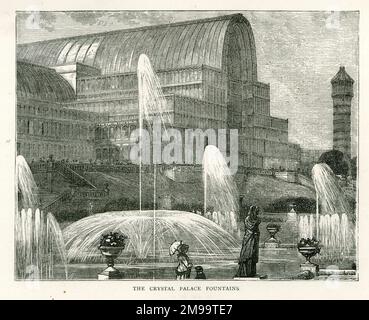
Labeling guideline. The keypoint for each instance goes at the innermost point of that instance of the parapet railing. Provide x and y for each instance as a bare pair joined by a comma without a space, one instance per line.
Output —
78,194
72,175
39,166
57,202
91,194
133,168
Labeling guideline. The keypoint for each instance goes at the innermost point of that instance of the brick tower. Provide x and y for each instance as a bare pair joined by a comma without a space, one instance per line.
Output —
342,93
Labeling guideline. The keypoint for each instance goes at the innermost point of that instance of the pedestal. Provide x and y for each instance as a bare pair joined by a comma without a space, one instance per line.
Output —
271,244
110,273
314,268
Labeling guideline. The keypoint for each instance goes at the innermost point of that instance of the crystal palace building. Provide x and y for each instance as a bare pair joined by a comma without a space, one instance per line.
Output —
77,97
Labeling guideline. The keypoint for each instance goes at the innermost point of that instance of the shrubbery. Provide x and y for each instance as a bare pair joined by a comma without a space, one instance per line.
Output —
189,207
69,215
124,204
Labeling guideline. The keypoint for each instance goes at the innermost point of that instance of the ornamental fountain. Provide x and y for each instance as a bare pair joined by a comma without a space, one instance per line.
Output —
150,232
39,243
331,224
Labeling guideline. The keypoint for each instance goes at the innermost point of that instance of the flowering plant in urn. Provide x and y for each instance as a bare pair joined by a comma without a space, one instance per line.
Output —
113,239
308,248
111,246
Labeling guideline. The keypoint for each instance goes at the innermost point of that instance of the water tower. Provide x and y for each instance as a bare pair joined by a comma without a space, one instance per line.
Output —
342,93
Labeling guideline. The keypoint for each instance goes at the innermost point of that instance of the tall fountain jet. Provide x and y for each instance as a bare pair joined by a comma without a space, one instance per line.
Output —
39,243
331,225
25,183
220,190
150,232
330,194
152,107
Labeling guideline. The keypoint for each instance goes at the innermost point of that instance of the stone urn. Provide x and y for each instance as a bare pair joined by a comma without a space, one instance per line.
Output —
308,249
110,254
272,242
308,252
111,246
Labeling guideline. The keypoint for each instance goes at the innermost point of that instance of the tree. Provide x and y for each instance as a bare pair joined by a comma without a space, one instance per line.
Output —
335,159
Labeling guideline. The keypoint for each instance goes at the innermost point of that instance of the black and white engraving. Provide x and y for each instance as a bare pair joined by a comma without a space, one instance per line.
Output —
176,145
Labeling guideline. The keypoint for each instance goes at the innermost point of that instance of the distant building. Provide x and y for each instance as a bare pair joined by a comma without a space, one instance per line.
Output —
44,125
311,155
208,72
342,93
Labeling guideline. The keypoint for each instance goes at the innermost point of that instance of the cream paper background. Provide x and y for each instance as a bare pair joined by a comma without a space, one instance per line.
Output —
330,289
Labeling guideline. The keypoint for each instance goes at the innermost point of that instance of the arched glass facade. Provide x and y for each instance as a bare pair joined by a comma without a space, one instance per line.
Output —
208,72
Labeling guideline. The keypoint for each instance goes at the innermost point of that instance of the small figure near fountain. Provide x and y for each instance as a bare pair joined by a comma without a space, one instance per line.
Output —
183,270
90,208
200,275
249,255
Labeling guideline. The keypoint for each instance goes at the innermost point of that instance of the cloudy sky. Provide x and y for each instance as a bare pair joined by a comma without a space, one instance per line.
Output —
297,52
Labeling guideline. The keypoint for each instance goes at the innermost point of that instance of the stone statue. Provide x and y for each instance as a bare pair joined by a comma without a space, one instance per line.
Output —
249,255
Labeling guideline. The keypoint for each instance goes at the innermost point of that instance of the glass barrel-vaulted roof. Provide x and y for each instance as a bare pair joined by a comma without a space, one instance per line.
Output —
39,82
176,45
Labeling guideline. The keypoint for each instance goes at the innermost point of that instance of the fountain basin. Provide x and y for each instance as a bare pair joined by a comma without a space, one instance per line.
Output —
149,235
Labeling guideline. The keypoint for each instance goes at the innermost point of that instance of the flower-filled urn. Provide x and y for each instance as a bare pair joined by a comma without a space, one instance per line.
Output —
111,246
309,248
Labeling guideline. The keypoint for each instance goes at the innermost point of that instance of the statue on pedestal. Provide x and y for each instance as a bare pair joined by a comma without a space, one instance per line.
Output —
249,255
